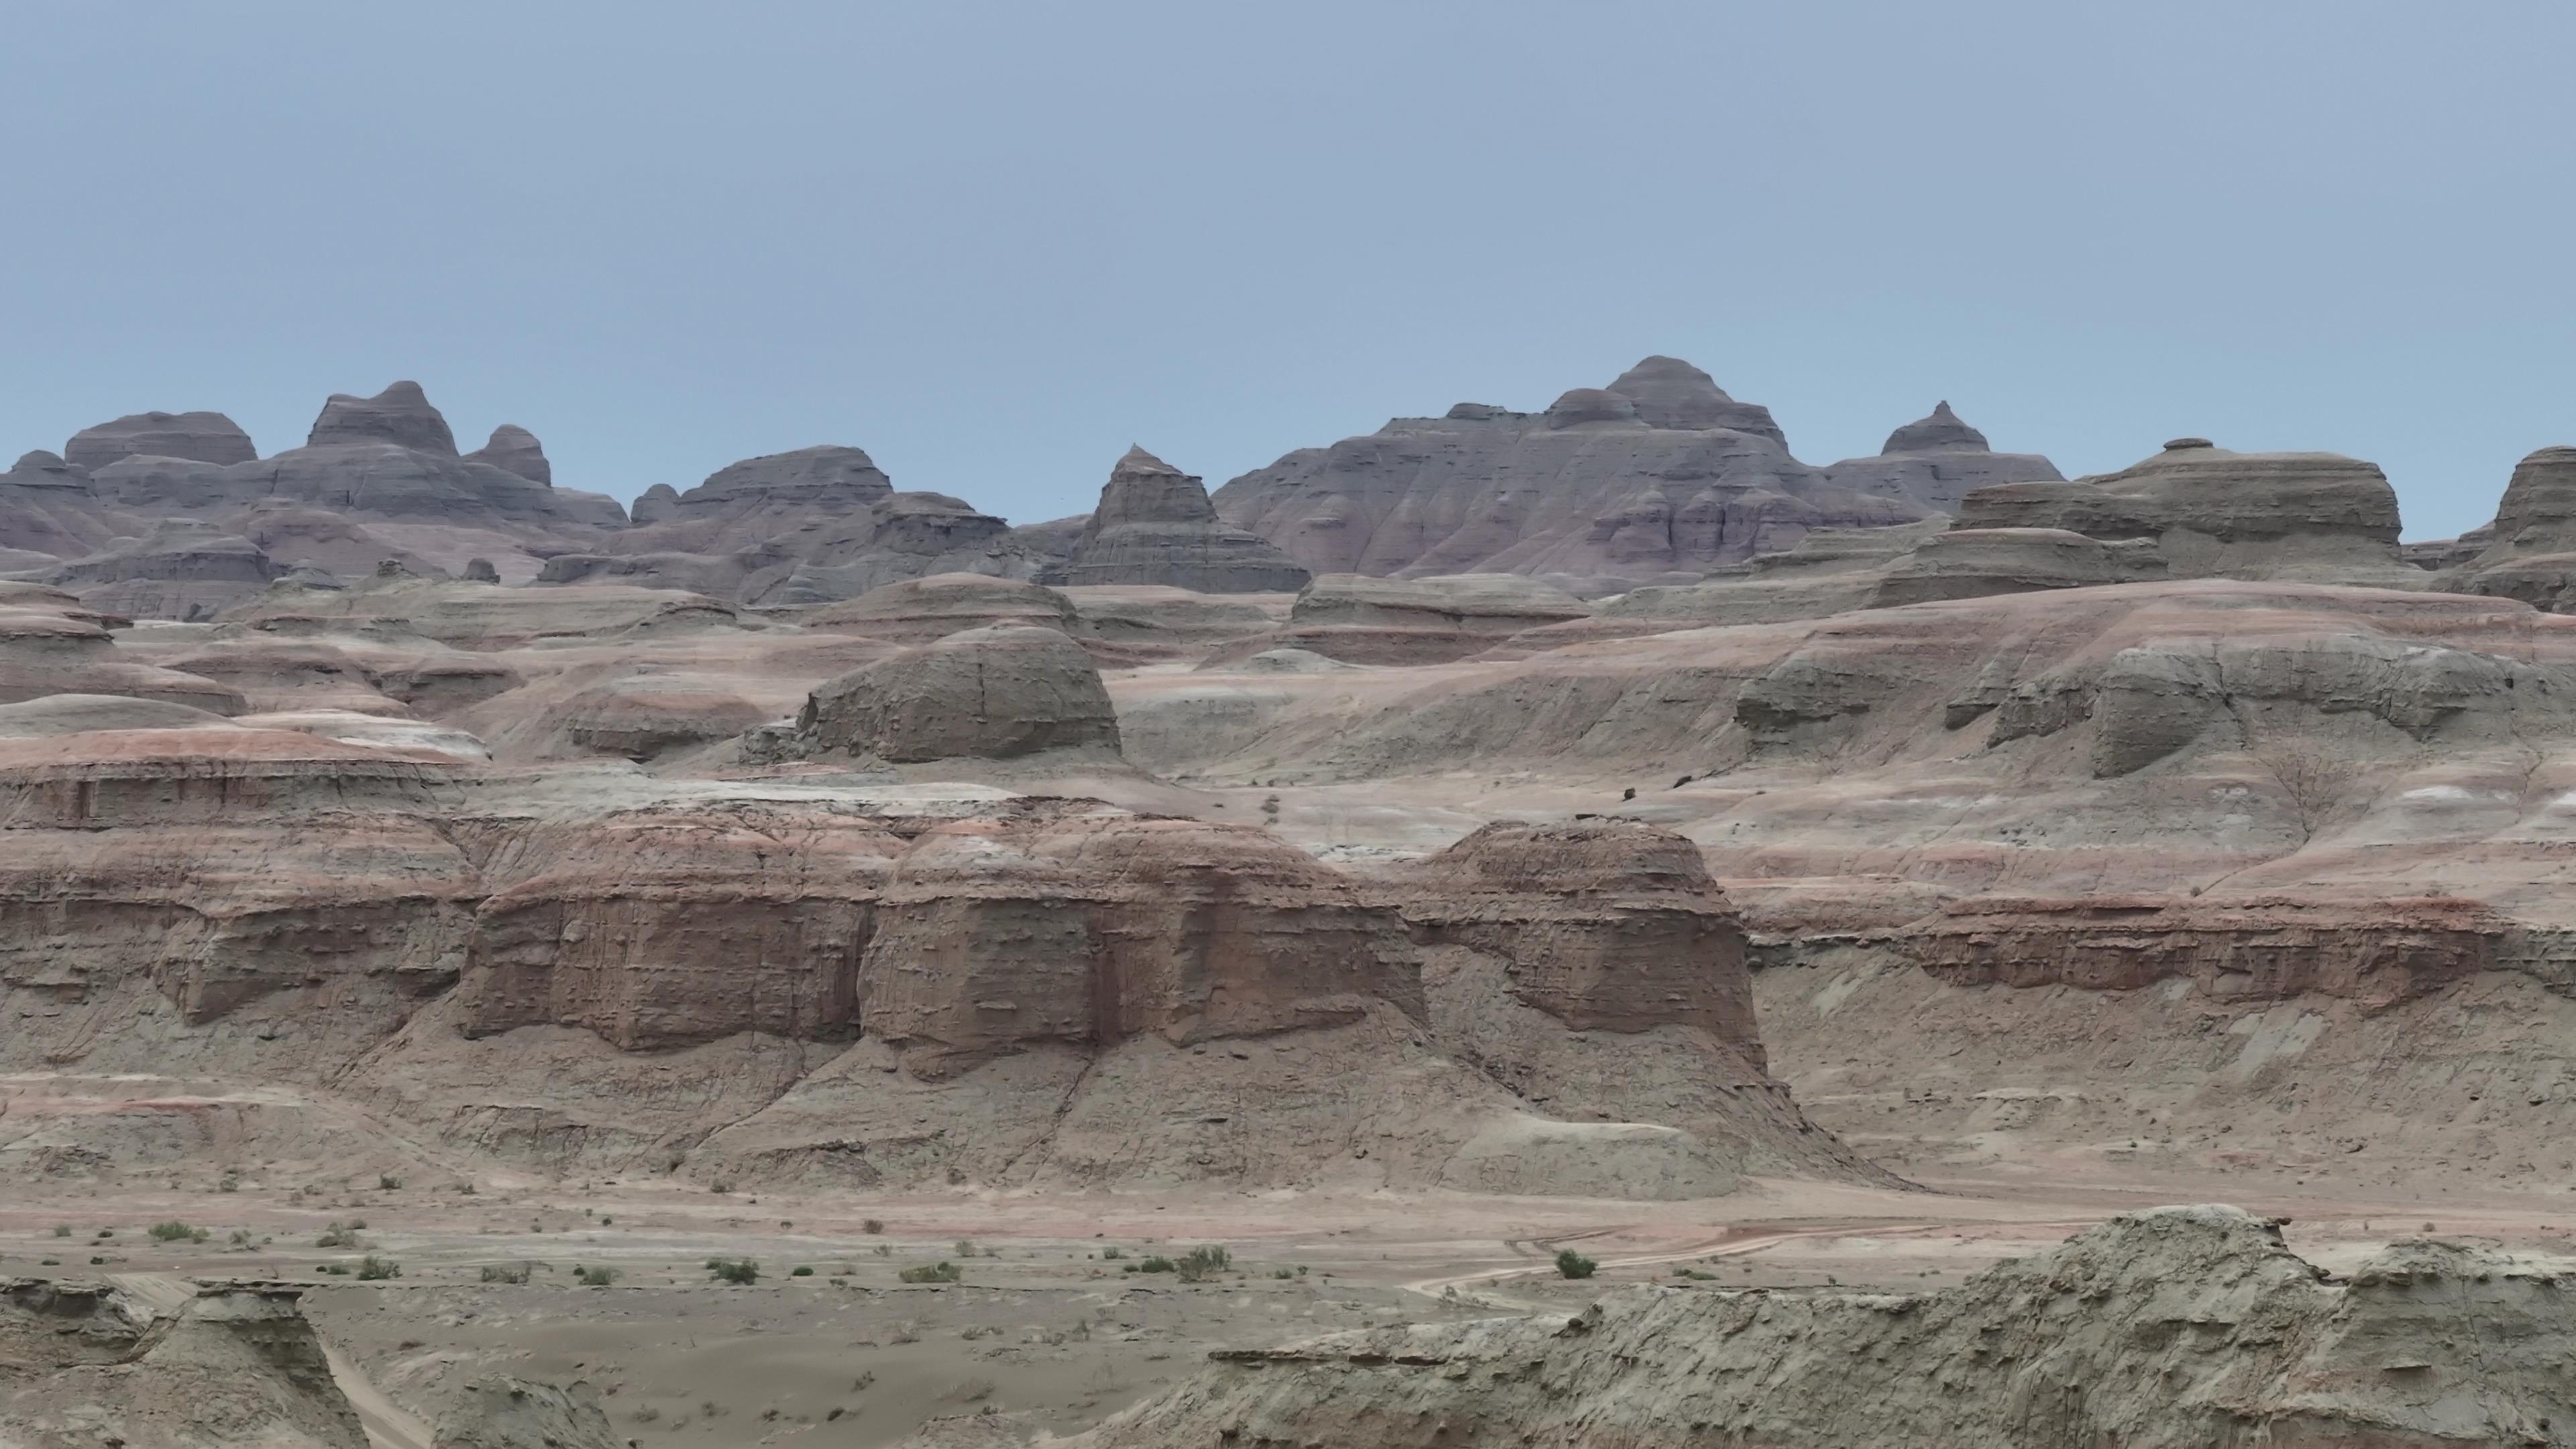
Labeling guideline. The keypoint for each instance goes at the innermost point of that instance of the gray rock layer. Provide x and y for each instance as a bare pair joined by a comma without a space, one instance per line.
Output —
1155,525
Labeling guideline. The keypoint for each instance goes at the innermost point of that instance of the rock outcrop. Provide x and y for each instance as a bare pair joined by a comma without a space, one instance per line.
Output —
917,611
994,693
224,1364
1937,461
2211,513
655,504
199,437
184,570
514,449
400,415
1155,525
2529,551
1365,620
504,1411
1654,479
2172,1328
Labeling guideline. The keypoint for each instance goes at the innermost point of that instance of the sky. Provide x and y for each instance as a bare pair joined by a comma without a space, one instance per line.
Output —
994,244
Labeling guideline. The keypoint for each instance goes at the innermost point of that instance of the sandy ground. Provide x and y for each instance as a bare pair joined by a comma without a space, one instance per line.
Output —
1046,1326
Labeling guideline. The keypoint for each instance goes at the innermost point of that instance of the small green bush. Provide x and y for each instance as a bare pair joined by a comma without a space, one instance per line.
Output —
1113,1254
594,1277
340,1235
387,1182
1201,1264
872,1226
1571,1264
372,1269
62,1230
1156,1264
933,1273
505,1272
734,1270
800,1271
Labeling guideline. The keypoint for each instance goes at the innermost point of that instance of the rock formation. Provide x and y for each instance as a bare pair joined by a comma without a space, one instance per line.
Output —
2173,1328
1414,621
2211,513
400,415
516,450
198,437
183,570
1653,479
916,611
226,1364
2529,552
992,693
655,504
1937,461
1155,525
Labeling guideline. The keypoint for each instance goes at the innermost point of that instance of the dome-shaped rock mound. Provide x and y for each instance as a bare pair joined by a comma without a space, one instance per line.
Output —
516,450
1942,431
198,437
654,504
996,693
916,611
400,415
1671,393
1155,525
1578,406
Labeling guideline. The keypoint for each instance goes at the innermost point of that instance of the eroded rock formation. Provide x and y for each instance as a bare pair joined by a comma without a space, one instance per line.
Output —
200,437
2173,1328
1155,525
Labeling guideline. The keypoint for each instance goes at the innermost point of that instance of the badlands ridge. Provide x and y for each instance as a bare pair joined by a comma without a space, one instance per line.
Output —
1595,811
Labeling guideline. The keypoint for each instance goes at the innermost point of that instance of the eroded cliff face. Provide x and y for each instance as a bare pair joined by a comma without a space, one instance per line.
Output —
2173,1328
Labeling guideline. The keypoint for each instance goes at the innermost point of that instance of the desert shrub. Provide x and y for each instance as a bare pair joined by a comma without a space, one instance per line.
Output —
387,1182
1571,1264
1113,1254
372,1269
176,1232
339,1235
734,1270
933,1273
62,1230
966,1248
505,1272
1156,1264
800,1271
1201,1264
872,1226
594,1277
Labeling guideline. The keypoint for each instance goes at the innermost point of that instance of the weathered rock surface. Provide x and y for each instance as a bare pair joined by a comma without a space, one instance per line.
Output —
2173,1328
183,570
516,450
2529,552
1937,461
400,415
991,693
1653,479
745,504
86,1361
503,1411
1414,621
1155,525
917,611
201,437
2211,513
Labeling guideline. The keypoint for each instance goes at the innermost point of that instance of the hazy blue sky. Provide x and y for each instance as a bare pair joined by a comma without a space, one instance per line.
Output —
995,244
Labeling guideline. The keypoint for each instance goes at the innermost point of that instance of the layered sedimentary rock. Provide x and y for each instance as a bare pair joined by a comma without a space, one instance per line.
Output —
1937,461
992,693
400,415
183,570
1414,621
48,648
1653,479
47,510
1972,563
917,611
802,528
2211,513
1095,931
655,504
201,437
514,449
2172,1328
2529,552
1155,525
224,1364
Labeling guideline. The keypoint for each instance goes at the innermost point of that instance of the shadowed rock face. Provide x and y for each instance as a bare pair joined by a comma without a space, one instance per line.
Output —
655,504
2084,1344
1653,479
515,449
994,693
1155,525
199,437
400,415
